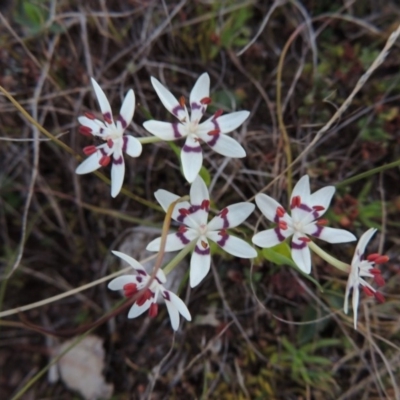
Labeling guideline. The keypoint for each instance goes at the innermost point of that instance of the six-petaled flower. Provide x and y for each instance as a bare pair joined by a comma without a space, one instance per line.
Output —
195,229
132,284
306,209
212,131
360,268
112,132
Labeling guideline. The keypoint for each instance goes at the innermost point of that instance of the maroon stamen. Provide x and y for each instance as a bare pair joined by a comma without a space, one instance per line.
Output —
223,213
214,132
217,113
304,239
110,143
148,294
379,297
129,289
153,310
296,201
318,208
182,229
204,244
88,150
283,225
322,222
90,115
184,211
182,101
379,280
205,204
85,130
104,161
368,291
280,212
206,100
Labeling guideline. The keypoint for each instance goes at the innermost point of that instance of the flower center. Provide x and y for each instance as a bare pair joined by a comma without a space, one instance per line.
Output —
203,229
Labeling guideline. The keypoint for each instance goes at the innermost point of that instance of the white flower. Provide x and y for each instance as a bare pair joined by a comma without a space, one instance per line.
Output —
361,267
212,131
306,208
194,229
131,284
112,132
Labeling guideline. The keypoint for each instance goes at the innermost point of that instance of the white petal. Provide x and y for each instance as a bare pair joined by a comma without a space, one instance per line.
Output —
225,145
231,216
199,264
117,173
302,189
301,254
136,310
132,146
268,238
229,122
175,241
90,164
233,245
165,198
192,159
94,124
362,244
165,130
119,282
322,197
131,261
355,300
127,109
268,206
332,235
201,89
168,99
175,306
103,102
198,192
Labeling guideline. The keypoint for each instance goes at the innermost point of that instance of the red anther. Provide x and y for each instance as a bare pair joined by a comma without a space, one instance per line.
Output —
372,257
282,225
182,101
85,130
214,132
280,212
305,239
88,150
318,208
107,118
379,297
296,201
129,289
148,294
182,229
381,260
110,143
104,161
206,100
89,115
218,113
379,280
205,204
368,291
153,310
374,271
322,222
204,244
222,232
223,213
184,211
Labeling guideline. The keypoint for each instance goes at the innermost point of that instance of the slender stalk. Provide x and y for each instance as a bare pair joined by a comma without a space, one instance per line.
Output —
179,257
328,258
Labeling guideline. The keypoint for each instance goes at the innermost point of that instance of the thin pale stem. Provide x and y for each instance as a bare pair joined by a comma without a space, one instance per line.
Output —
150,139
328,258
179,257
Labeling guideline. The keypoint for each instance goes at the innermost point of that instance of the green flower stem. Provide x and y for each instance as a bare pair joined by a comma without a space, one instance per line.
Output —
328,258
149,139
369,173
179,257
